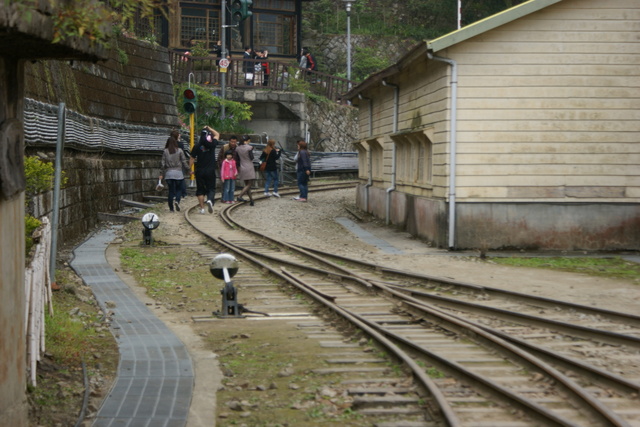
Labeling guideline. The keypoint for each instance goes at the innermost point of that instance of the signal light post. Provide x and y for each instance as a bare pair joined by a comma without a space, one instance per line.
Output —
190,100
241,9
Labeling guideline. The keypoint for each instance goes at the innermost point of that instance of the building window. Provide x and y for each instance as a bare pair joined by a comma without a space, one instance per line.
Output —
414,157
200,23
275,32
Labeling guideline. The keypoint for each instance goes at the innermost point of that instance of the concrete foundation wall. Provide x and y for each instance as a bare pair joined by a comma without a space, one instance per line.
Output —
532,226
555,226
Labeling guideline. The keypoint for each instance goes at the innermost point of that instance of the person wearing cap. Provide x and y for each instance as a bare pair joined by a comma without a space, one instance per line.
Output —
247,173
204,157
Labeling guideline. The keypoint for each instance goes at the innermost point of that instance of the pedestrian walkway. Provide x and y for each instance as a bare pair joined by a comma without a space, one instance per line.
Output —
155,374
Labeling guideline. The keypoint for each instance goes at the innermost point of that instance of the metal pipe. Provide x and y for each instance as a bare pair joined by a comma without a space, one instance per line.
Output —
392,187
369,160
223,55
453,139
55,214
349,43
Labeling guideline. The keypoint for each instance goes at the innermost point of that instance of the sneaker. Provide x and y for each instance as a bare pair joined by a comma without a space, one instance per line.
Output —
300,199
210,206
251,203
276,195
240,199
202,211
266,193
177,205
296,198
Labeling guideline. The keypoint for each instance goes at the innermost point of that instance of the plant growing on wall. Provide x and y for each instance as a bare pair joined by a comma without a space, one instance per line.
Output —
39,179
209,112
90,19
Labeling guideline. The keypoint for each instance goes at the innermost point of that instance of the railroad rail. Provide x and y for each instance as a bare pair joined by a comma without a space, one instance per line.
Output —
479,356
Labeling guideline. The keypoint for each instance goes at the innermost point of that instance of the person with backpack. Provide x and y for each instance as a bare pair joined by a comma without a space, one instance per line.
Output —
203,156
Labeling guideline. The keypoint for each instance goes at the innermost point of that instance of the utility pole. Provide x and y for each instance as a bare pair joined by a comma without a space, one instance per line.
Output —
348,6
224,54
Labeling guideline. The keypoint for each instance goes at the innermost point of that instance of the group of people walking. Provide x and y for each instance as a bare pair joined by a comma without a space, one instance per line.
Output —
233,162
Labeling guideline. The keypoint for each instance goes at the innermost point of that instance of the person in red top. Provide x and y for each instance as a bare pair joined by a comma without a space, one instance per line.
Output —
311,61
265,67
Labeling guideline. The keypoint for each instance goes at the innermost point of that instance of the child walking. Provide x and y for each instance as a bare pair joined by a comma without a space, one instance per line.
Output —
228,174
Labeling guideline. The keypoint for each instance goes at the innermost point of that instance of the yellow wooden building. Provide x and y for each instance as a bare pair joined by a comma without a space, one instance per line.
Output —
519,131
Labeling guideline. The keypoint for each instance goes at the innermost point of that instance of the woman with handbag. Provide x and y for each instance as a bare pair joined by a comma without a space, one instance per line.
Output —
269,166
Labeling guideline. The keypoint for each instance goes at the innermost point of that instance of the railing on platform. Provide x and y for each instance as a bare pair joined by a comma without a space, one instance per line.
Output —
248,73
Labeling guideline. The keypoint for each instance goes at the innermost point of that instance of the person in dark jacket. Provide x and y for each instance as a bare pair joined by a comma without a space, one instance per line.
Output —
270,156
204,158
303,170
248,66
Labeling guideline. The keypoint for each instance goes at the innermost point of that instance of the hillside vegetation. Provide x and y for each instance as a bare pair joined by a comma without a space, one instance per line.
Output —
385,29
416,19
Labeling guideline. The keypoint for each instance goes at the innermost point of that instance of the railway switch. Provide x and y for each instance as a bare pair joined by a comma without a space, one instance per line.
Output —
224,267
150,222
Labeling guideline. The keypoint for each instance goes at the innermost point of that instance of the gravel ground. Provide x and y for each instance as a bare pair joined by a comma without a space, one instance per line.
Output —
314,224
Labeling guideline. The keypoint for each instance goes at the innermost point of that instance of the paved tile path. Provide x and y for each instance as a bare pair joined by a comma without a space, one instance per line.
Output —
155,375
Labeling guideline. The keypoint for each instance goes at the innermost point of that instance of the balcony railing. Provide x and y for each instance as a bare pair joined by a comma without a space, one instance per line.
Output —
249,74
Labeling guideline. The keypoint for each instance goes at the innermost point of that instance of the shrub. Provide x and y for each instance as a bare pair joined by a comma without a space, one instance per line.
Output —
209,111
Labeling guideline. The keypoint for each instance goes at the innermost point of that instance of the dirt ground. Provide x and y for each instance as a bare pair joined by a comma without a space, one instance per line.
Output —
314,224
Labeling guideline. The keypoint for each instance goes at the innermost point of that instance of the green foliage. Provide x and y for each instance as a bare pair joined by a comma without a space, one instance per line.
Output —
30,225
79,19
417,19
200,49
68,339
209,110
435,373
606,267
39,175
90,19
368,60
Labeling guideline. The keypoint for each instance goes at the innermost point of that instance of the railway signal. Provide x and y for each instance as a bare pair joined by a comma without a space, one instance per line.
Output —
241,9
190,100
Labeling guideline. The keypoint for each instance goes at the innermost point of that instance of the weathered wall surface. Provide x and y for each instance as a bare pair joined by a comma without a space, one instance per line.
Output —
134,86
126,103
96,183
287,116
333,127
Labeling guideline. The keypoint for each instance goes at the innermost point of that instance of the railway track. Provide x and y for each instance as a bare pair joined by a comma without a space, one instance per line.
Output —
478,356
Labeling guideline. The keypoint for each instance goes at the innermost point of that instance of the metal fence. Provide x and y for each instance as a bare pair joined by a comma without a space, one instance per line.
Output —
250,74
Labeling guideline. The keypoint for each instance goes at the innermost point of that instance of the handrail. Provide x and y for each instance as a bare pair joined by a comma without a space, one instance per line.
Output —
242,74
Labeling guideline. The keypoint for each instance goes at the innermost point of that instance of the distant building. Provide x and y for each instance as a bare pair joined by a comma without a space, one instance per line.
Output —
519,131
275,25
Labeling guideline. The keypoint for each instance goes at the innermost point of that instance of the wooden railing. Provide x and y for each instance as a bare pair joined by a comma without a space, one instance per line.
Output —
242,73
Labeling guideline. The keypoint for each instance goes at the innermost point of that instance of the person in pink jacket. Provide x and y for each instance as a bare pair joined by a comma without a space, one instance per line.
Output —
228,175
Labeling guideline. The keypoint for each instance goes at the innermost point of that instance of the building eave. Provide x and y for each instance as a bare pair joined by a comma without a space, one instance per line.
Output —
489,23
415,52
